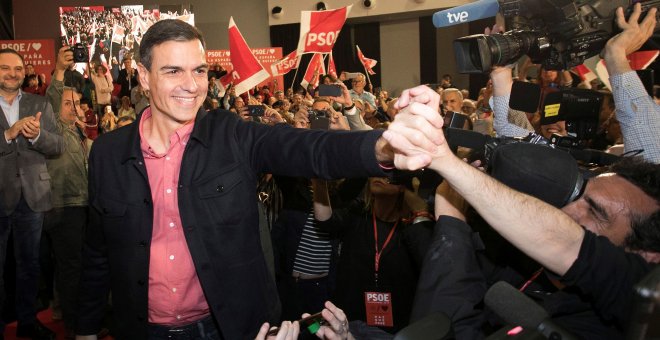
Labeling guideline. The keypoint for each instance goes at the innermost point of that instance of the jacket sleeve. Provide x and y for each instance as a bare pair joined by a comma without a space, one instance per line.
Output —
95,277
50,141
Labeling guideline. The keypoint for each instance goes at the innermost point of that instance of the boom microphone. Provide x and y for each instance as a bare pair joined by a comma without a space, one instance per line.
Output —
477,10
518,309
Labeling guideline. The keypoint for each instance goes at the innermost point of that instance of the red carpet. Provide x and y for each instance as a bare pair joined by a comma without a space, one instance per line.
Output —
45,318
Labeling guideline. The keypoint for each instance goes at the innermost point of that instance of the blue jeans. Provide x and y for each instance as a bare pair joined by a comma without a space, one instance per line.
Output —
26,226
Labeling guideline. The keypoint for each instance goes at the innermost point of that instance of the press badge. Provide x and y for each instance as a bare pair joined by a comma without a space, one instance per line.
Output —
379,309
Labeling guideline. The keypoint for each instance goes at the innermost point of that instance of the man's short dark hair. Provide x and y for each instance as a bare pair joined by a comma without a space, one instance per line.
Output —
11,51
645,175
164,31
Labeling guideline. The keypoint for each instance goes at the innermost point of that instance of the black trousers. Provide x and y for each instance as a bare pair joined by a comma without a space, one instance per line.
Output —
65,229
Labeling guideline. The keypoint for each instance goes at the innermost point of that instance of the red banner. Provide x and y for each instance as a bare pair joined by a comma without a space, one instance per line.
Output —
267,56
314,71
286,64
332,70
248,72
319,29
38,53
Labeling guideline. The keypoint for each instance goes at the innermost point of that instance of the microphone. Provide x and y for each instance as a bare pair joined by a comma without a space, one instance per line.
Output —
461,14
518,309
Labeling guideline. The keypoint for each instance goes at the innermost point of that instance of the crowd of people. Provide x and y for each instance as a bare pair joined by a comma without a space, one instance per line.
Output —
195,214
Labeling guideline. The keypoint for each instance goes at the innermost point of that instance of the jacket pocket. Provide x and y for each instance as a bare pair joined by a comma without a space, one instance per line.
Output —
221,195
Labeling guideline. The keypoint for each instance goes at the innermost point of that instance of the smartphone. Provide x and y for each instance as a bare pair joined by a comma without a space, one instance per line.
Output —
329,90
352,75
256,110
319,123
312,323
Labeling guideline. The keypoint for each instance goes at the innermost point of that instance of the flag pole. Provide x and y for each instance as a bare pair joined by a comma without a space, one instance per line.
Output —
294,77
366,72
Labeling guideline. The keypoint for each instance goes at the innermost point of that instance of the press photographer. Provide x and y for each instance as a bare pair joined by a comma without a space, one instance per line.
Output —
597,247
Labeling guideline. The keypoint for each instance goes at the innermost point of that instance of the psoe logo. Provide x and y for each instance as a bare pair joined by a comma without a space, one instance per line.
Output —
457,17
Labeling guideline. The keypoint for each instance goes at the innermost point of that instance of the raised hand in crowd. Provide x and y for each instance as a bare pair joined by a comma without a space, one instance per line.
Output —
345,98
272,117
633,36
337,121
63,62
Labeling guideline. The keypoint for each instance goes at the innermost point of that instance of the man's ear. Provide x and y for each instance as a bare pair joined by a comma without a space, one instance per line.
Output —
650,256
143,76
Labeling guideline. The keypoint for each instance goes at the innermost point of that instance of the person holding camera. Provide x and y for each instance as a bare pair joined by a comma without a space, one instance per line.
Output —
596,247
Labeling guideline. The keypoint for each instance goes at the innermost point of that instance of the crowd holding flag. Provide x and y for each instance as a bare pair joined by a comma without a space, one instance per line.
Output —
314,69
247,71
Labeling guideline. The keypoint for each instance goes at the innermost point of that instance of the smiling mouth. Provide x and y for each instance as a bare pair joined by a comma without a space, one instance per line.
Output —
186,99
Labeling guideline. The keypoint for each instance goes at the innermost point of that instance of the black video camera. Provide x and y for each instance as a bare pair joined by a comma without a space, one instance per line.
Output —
559,34
80,54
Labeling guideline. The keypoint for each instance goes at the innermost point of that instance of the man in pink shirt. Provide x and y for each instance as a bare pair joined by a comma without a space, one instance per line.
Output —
174,223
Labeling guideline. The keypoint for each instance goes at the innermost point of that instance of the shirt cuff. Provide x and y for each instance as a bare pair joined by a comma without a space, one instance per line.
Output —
351,112
34,140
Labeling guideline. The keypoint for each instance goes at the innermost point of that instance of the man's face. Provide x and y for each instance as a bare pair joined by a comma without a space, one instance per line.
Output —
451,101
127,63
358,83
238,102
12,73
301,119
29,69
555,128
259,98
70,107
84,107
607,206
177,80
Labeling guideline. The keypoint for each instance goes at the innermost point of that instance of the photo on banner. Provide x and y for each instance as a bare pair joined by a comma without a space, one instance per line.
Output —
111,33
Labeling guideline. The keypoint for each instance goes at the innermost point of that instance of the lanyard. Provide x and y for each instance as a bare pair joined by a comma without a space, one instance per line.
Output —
387,241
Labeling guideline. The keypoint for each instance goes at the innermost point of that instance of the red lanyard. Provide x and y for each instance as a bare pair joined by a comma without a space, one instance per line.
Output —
387,241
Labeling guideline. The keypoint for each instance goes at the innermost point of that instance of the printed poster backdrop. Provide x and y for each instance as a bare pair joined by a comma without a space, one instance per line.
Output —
265,55
110,33
40,53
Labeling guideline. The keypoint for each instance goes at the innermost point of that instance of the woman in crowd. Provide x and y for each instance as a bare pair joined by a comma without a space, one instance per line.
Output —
109,120
103,85
383,242
126,110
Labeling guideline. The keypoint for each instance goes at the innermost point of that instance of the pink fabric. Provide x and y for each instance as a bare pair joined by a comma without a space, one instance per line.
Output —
175,294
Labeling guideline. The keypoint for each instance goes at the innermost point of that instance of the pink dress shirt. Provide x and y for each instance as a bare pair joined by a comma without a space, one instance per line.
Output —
175,294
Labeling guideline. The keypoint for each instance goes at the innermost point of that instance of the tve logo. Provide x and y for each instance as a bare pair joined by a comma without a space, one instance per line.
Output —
457,17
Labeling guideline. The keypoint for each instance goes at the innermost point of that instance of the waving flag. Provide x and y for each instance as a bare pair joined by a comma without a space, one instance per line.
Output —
319,29
247,72
332,70
118,34
286,64
366,62
314,70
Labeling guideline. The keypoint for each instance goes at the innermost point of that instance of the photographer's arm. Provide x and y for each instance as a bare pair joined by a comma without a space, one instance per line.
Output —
538,229
56,87
635,109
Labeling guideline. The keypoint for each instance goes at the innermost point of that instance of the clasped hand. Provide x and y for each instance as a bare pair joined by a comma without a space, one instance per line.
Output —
29,127
415,135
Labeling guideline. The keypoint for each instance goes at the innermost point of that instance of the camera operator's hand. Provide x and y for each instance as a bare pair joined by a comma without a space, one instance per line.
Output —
633,36
64,61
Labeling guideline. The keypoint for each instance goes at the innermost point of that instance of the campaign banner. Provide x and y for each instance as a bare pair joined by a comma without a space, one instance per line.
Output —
267,56
39,53
286,64
319,29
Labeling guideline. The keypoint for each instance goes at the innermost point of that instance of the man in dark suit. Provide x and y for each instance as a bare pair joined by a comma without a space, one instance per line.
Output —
127,78
174,229
30,135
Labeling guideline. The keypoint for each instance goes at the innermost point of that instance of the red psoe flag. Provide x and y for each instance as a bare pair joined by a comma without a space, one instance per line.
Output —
248,72
286,64
315,67
319,29
332,70
366,62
